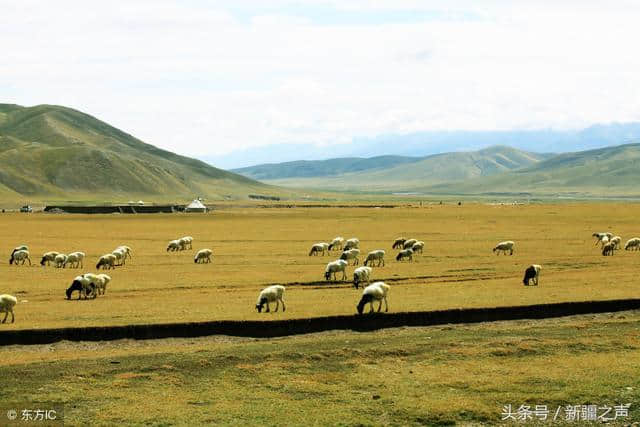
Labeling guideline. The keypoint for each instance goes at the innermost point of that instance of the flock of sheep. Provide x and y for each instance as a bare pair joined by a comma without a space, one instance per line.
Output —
91,285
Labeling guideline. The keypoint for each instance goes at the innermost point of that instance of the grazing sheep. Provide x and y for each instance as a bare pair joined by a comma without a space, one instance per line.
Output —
59,261
409,243
20,255
604,241
417,247
351,254
75,259
600,236
99,281
374,292
617,241
83,285
377,255
19,248
504,247
120,255
336,244
7,302
126,249
360,275
186,242
398,243
173,246
203,256
335,266
271,294
352,243
319,247
106,261
608,248
48,257
405,253
632,244
532,272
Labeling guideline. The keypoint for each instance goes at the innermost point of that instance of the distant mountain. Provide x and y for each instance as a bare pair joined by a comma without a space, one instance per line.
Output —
609,171
413,172
435,142
56,153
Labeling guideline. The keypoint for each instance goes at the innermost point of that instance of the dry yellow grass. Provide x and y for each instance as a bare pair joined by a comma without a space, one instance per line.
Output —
256,247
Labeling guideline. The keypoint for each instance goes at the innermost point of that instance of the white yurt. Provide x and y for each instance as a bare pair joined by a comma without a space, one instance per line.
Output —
195,206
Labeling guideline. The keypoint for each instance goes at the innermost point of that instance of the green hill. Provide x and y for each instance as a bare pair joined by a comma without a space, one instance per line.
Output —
57,153
610,171
422,172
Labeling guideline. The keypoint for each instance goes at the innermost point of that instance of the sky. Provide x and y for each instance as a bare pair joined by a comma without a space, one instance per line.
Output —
210,78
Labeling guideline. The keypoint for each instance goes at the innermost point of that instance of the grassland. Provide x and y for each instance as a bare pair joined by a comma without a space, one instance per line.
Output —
408,376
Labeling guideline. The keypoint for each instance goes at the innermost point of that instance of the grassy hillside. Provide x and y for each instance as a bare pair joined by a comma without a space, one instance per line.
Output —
440,168
601,172
55,152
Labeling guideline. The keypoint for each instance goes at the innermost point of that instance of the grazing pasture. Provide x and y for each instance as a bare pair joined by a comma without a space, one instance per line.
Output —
255,248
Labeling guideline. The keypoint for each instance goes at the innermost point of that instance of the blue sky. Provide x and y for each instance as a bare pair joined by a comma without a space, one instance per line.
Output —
207,78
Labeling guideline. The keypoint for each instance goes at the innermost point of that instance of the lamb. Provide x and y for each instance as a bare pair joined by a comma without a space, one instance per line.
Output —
336,244
203,256
417,247
532,272
126,249
20,255
185,243
608,248
271,294
106,261
600,236
48,257
352,243
398,243
120,255
360,275
59,261
409,243
377,255
319,247
504,247
335,266
7,302
173,246
84,286
617,241
405,253
374,292
632,244
351,254
75,259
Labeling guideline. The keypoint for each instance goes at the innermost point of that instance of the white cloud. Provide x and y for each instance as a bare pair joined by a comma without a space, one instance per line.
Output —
203,78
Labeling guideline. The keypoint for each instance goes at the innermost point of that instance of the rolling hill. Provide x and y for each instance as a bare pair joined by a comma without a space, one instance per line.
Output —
399,173
57,153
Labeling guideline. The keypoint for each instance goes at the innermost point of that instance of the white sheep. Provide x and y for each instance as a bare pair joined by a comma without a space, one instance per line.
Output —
319,247
126,249
269,294
361,275
335,266
608,248
20,255
377,255
106,261
99,281
405,253
632,244
48,257
617,241
121,256
336,244
604,241
203,256
19,248
417,247
83,285
7,302
173,246
504,247
351,254
409,243
59,261
75,259
352,243
398,243
376,291
600,236
185,242
532,272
